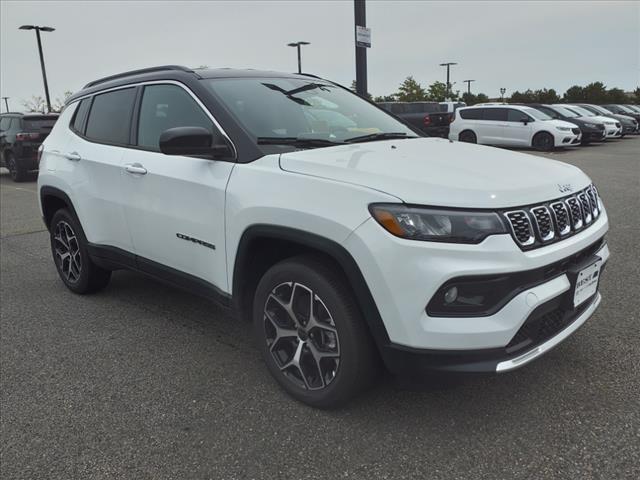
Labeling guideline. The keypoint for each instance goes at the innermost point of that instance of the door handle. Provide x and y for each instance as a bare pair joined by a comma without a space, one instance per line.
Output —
73,156
135,168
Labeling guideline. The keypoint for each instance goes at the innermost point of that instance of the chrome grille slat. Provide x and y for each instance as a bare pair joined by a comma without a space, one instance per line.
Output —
537,225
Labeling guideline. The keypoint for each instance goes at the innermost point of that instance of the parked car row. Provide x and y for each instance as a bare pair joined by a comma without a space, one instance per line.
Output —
542,127
20,137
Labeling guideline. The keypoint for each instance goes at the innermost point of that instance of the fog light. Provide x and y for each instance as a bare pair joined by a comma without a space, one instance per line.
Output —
451,295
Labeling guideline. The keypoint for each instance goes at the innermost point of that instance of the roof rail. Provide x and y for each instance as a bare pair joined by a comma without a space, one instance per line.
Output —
137,72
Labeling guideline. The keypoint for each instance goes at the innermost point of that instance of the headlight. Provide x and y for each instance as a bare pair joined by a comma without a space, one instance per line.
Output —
563,129
591,125
437,225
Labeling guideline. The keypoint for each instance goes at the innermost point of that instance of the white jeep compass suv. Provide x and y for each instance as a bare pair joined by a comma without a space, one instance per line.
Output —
339,232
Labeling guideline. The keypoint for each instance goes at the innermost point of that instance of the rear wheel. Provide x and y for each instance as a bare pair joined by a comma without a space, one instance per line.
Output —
18,173
468,137
543,142
311,333
71,257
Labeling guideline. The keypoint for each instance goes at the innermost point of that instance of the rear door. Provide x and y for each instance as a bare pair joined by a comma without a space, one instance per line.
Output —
175,204
102,127
518,128
492,126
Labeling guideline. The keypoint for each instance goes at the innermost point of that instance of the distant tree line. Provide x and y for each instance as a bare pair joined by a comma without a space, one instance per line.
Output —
410,90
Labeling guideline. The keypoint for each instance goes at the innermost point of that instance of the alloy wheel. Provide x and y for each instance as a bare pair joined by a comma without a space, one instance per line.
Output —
301,336
67,251
11,166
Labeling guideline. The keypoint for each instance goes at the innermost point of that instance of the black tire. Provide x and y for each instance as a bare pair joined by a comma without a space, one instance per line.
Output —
328,382
468,137
76,270
543,142
17,172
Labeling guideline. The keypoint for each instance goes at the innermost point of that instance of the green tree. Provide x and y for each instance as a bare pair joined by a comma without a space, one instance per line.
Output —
595,92
437,92
636,96
471,99
385,98
411,91
616,95
546,96
574,94
528,96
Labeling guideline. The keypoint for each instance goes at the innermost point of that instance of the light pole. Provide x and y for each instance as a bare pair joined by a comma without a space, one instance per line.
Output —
468,82
360,23
6,103
448,65
297,45
502,92
44,72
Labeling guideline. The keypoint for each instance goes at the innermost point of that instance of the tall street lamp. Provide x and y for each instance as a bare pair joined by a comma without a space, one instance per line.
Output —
502,92
6,103
298,45
44,72
448,65
468,82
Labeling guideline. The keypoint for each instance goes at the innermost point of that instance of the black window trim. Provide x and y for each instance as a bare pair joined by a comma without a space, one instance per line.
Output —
135,111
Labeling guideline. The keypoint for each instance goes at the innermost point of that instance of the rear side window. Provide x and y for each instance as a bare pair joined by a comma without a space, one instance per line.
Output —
517,116
110,117
471,114
80,117
164,107
495,114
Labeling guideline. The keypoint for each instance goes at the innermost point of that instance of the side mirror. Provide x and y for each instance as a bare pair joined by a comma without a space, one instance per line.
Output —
193,141
526,120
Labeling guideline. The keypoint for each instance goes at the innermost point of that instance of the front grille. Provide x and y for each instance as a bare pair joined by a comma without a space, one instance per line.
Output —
540,328
575,130
561,215
600,126
536,225
521,227
617,125
544,224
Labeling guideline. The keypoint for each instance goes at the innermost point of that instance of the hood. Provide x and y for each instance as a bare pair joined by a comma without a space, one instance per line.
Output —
437,172
561,123
607,119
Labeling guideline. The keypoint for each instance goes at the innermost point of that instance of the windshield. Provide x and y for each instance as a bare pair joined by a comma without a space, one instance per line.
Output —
537,114
603,111
583,112
564,111
299,108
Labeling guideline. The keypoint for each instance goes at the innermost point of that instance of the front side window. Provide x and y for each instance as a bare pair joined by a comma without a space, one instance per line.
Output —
4,123
514,115
279,108
164,107
110,117
537,114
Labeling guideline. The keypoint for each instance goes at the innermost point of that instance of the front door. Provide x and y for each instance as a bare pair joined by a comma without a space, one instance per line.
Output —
175,204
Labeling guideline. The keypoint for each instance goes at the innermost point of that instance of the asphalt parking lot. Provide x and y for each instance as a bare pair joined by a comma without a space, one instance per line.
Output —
143,381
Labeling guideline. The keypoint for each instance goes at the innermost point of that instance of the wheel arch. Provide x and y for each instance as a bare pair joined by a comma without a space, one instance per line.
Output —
541,132
53,199
261,246
467,130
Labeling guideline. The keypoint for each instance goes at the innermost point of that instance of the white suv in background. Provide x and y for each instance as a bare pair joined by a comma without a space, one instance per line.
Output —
512,126
611,125
343,242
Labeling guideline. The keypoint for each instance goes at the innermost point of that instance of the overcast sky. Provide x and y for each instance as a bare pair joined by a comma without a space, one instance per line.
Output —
516,45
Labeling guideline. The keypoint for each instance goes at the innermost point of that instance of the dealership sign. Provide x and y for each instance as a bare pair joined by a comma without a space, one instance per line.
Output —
363,37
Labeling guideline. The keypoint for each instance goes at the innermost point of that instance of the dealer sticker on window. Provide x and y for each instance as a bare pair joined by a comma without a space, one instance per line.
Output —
587,283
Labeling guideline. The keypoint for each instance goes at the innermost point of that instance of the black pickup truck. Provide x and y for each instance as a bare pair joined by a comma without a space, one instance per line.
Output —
433,118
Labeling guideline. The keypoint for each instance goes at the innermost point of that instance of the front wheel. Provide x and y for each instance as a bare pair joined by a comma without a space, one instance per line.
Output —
543,142
311,333
71,257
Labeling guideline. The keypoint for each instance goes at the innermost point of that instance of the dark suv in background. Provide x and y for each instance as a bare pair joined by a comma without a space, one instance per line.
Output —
21,134
431,118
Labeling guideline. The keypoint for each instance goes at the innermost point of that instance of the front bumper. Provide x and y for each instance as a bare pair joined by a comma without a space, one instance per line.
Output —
403,275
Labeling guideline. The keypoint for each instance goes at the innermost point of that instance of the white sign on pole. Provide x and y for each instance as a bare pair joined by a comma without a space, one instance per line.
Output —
363,37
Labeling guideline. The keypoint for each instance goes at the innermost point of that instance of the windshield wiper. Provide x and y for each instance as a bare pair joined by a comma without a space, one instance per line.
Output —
377,136
296,141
